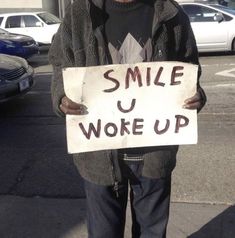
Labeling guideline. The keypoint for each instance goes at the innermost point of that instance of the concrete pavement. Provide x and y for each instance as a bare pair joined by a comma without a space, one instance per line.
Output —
39,217
200,179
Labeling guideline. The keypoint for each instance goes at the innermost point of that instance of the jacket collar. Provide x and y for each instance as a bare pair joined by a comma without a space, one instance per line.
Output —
164,11
98,3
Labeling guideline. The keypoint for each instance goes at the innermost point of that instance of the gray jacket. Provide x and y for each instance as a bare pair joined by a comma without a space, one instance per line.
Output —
80,42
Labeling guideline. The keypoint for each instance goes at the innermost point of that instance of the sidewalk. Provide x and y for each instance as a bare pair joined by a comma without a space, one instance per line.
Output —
64,218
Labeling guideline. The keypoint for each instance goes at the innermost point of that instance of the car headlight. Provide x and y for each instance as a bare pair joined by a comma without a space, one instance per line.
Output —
21,61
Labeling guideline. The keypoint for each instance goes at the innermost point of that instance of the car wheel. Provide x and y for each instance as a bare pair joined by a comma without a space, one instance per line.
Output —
233,46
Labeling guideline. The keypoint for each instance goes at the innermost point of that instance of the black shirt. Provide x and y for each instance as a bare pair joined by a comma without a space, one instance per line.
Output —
128,32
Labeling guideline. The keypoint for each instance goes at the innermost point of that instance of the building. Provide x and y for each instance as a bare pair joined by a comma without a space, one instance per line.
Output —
56,7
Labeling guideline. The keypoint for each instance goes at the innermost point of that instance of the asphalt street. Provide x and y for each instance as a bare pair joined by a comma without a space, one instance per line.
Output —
205,172
33,140
35,163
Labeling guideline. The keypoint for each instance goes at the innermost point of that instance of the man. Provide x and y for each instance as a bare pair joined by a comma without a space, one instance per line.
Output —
99,32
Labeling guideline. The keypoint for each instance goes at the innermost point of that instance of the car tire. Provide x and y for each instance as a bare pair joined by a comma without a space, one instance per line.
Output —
233,46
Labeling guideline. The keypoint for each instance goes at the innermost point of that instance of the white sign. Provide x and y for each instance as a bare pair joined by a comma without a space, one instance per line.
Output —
131,105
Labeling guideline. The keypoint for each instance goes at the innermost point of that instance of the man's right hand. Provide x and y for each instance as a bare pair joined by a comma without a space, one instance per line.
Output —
69,107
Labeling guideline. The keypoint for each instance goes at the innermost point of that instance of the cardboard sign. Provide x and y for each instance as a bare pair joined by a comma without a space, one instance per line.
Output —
131,105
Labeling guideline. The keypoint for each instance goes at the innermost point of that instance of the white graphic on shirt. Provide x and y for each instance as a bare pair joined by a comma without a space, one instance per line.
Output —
131,51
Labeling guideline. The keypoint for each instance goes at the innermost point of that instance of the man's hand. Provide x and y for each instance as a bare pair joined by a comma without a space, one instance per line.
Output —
67,106
195,102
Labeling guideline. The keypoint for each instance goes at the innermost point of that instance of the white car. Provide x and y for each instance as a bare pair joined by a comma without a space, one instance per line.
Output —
213,26
41,26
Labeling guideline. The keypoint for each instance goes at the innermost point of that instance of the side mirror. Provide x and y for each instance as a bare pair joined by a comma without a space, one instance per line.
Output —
39,24
218,17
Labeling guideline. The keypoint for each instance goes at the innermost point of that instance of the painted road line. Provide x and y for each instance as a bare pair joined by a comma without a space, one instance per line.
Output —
42,74
227,73
225,85
218,113
39,92
228,85
217,65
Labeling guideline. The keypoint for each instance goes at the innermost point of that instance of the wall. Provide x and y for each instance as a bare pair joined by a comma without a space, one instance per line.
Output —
21,3
29,5
51,6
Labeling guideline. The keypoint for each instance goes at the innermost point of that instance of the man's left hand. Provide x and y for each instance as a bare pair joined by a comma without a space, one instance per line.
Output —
195,102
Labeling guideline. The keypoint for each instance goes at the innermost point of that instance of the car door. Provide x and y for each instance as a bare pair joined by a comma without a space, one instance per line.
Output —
210,34
35,28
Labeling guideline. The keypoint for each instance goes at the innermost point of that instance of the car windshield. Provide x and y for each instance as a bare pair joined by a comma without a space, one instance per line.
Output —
49,18
223,8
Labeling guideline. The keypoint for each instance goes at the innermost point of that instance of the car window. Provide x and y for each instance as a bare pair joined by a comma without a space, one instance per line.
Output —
227,18
1,18
192,11
31,21
48,18
223,8
208,14
200,13
13,21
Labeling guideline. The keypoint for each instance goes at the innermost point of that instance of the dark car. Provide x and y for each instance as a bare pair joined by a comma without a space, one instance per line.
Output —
16,77
19,45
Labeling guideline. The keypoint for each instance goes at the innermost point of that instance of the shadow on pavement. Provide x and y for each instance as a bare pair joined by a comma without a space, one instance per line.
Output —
222,226
33,148
210,54
42,218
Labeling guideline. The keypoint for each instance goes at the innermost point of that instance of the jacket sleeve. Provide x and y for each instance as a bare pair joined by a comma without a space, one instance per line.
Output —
188,51
60,56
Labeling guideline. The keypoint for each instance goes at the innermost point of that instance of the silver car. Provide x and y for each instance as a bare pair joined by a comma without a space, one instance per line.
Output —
16,77
213,26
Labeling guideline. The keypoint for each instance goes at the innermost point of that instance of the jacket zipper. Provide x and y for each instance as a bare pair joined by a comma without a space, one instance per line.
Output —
115,181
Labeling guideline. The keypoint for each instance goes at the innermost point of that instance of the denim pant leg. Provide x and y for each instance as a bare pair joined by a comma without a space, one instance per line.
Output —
150,201
105,211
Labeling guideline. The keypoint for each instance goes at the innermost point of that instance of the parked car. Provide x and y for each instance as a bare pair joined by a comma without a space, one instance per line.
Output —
19,45
213,26
41,26
16,77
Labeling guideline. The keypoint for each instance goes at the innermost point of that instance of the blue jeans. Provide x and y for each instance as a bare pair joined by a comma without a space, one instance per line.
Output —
149,200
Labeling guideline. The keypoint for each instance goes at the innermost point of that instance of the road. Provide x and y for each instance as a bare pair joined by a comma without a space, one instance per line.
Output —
205,172
34,161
